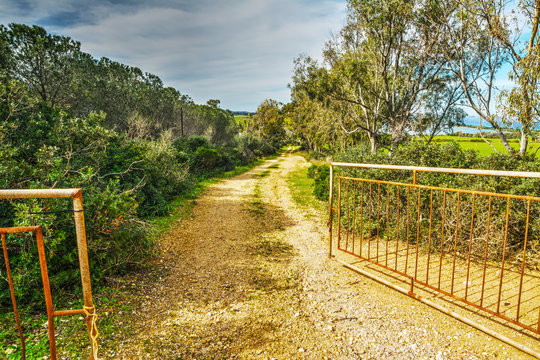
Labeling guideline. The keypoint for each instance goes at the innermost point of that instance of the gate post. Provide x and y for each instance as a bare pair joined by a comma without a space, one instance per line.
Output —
85,272
331,188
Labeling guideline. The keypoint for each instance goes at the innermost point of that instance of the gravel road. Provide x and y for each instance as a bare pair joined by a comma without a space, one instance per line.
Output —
248,277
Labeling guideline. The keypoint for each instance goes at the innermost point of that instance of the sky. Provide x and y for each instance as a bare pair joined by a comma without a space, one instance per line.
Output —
238,51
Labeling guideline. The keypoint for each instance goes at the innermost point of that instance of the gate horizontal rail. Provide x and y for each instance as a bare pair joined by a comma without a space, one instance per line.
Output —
477,247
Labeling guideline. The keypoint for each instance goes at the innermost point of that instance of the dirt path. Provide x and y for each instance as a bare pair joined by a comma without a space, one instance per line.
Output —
248,278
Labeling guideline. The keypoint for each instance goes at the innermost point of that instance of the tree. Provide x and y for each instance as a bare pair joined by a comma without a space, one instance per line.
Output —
268,121
45,62
213,103
520,104
479,37
316,117
441,111
381,74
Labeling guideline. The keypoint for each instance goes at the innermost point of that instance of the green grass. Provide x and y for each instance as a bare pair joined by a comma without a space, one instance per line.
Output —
264,174
307,156
483,148
301,187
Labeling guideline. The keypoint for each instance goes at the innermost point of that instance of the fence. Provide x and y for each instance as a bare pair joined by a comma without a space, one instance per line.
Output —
478,247
88,309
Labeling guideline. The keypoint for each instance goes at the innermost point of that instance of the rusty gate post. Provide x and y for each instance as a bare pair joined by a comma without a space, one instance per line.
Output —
331,187
85,270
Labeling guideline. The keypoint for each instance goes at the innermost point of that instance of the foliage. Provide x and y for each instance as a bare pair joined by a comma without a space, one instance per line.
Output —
446,155
321,176
403,67
250,146
70,121
268,122
451,155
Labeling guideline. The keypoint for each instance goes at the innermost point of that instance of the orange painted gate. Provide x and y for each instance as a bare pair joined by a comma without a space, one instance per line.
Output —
481,248
88,309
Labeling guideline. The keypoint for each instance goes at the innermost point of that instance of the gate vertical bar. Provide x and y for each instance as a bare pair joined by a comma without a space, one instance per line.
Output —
524,258
85,269
362,219
486,252
417,235
407,234
339,216
429,234
387,224
470,247
442,238
348,217
397,230
455,245
330,216
378,216
369,224
504,253
46,290
354,216
12,293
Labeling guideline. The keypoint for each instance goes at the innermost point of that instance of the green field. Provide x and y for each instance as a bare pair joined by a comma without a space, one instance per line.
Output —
483,148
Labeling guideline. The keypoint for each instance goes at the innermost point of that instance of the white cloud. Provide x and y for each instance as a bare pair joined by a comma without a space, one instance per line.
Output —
239,51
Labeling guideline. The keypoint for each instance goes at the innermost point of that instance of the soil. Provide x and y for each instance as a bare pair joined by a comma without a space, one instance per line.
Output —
247,276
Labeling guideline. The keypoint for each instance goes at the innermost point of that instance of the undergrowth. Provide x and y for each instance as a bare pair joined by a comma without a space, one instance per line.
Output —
112,301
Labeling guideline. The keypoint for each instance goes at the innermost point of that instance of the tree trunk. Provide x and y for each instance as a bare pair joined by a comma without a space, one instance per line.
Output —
372,143
523,143
396,137
503,139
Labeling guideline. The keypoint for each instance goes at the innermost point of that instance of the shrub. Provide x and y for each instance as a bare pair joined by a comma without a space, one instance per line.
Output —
321,174
312,171
250,146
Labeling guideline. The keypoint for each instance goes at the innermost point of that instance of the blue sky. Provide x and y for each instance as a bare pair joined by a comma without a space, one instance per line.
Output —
238,51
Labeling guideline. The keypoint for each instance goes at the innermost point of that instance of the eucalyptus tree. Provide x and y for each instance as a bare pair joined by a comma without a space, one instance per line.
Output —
381,74
400,43
313,113
481,36
269,120
520,103
313,123
441,111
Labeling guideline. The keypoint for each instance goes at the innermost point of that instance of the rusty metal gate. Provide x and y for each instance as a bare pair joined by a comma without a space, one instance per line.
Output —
478,247
88,308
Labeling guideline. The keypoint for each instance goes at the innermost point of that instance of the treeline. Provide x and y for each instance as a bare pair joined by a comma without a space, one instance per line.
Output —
68,120
410,67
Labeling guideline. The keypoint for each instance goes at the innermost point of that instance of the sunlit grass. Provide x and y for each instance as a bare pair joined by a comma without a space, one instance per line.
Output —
301,187
483,148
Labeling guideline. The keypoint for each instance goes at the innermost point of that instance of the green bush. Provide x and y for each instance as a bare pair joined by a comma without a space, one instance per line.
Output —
117,239
125,181
251,147
321,175
450,155
312,171
445,155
